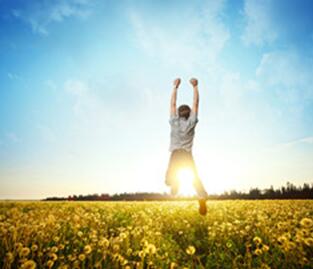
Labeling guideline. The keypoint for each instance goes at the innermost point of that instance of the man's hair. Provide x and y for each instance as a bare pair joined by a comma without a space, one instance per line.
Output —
184,111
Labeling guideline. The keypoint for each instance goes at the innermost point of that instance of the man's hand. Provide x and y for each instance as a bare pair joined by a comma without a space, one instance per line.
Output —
193,82
176,83
195,106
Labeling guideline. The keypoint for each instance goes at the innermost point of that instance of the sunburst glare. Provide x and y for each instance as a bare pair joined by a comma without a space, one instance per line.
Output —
185,177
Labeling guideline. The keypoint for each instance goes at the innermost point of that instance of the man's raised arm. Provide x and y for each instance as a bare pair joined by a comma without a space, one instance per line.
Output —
174,97
195,106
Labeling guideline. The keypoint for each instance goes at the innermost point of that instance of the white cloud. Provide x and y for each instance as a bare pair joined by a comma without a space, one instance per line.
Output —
259,29
288,73
198,44
293,144
85,102
39,15
304,140
76,87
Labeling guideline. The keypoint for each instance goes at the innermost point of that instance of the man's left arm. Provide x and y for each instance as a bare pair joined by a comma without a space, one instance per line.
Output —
174,97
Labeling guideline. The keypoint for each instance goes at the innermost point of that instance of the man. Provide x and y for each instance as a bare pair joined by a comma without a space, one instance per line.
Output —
183,122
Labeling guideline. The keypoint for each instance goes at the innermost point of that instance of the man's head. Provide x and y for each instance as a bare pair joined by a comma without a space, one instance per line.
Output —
184,111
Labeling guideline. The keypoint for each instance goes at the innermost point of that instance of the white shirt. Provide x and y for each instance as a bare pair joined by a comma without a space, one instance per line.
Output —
182,131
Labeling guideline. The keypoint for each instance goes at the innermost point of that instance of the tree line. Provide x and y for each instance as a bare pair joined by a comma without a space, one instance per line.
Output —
290,191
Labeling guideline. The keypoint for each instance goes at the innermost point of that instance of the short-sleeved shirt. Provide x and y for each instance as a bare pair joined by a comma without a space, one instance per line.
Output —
182,131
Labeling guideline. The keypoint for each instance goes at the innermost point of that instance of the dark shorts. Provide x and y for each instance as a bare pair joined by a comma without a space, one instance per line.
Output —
179,158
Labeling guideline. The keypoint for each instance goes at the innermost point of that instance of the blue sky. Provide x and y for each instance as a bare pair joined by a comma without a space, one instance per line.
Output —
85,88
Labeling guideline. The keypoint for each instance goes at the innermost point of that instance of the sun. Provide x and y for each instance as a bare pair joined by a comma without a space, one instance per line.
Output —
185,177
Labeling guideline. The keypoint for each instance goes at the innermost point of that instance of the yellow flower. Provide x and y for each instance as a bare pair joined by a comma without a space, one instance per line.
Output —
24,252
306,222
265,248
308,241
141,254
10,257
191,250
258,252
53,256
54,249
50,263
116,247
87,249
282,239
151,248
257,240
104,242
123,235
34,247
173,265
82,257
30,264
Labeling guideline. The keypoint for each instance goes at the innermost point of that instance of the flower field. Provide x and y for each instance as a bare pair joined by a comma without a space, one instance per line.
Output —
234,234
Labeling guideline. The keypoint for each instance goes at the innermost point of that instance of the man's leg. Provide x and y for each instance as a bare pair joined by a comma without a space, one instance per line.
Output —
171,177
197,183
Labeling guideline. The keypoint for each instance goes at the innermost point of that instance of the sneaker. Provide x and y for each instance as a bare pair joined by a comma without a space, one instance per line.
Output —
202,207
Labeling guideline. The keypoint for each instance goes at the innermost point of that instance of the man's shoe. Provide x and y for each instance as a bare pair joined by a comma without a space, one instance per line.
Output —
202,207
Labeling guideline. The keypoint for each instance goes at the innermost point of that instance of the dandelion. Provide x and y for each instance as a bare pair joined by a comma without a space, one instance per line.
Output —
53,256
116,247
257,240
309,242
29,264
24,252
34,247
54,249
104,242
50,263
129,251
282,239
229,244
173,265
141,254
265,248
87,249
306,222
10,257
191,250
81,257
151,248
123,236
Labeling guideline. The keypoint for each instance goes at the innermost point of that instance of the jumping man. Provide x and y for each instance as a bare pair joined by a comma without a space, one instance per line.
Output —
183,122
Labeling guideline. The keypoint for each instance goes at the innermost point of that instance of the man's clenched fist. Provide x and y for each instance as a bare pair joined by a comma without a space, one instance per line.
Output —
176,82
194,82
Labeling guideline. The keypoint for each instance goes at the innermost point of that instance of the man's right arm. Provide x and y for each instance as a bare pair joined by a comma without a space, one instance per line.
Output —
195,105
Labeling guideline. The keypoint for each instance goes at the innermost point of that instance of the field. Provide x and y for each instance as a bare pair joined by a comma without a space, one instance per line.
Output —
234,234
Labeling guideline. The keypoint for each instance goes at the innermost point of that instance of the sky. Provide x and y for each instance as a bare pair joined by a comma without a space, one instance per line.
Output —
86,84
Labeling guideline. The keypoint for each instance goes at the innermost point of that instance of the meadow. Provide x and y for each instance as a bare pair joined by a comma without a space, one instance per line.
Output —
234,234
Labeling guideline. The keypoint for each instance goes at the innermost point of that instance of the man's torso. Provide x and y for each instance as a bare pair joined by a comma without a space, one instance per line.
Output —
182,132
